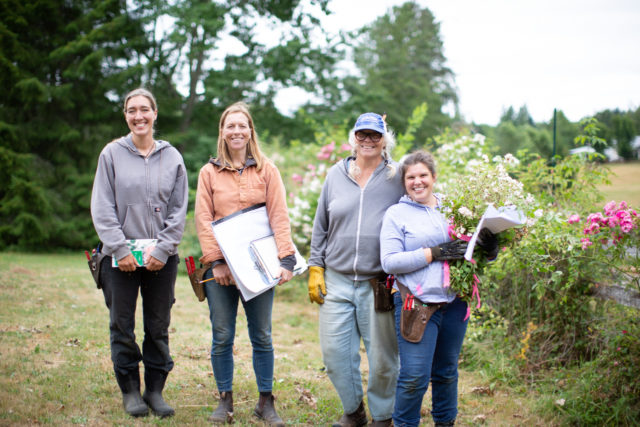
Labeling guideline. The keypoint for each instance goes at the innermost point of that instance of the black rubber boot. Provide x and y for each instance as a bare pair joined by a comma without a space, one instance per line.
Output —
154,384
224,412
354,419
266,411
131,400
447,424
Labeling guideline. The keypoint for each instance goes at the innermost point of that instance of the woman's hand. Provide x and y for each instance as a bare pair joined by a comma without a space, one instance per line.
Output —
222,275
128,263
154,264
285,275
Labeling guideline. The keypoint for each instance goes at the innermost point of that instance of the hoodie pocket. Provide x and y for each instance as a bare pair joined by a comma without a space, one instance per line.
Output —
135,220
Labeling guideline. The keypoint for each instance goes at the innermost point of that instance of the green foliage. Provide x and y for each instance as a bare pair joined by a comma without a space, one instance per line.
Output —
605,391
589,135
58,64
402,64
624,131
405,141
545,280
570,184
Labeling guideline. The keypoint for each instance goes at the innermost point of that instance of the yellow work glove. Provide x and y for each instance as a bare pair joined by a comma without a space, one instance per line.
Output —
317,288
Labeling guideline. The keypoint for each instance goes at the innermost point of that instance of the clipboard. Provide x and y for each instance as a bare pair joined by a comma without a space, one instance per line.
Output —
265,254
234,234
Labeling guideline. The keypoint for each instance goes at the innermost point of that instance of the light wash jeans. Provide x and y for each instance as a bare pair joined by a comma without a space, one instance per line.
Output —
223,309
346,316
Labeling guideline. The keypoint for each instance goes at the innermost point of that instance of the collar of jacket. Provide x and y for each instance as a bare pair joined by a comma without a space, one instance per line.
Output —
346,161
250,162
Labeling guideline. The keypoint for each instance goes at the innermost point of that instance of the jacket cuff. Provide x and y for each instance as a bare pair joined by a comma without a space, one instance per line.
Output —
218,262
160,255
288,262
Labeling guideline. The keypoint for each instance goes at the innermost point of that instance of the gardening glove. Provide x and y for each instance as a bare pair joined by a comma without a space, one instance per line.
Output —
449,250
317,288
488,242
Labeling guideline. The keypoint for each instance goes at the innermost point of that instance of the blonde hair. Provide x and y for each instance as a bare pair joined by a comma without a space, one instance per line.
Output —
253,147
389,142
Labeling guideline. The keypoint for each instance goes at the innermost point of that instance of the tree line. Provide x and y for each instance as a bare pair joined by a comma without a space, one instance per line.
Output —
65,66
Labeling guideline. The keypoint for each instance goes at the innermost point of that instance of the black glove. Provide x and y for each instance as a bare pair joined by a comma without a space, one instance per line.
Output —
488,242
449,250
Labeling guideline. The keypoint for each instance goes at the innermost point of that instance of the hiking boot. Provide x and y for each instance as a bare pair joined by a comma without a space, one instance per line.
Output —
224,412
355,419
265,410
447,424
131,399
154,384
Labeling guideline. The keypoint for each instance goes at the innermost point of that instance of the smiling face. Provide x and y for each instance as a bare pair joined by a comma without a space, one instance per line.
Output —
366,147
418,183
236,132
140,116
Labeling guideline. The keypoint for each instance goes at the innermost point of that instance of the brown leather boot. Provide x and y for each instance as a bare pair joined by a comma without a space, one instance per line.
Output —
355,419
224,412
381,423
265,410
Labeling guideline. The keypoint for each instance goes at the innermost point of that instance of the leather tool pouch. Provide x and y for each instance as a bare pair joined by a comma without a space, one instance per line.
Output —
94,265
195,278
414,315
383,300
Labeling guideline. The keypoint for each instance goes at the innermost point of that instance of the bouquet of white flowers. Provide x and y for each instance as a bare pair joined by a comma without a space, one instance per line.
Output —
483,183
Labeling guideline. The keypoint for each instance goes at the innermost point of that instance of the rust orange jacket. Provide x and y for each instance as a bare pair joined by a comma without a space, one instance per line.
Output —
222,192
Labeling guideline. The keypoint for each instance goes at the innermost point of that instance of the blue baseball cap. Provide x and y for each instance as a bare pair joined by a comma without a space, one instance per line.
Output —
370,121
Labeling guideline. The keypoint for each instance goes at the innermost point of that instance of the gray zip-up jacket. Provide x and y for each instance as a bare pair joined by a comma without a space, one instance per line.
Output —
346,228
139,198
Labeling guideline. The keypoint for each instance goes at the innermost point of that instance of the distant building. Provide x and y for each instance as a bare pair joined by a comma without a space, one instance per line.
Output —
612,154
635,146
585,150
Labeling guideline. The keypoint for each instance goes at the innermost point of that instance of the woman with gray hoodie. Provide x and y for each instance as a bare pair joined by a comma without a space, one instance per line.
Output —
345,263
140,192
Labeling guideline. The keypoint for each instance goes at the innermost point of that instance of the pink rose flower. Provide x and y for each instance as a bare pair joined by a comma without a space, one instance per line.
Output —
573,219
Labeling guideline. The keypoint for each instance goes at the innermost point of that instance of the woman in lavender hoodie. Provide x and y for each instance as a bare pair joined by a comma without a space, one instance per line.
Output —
414,242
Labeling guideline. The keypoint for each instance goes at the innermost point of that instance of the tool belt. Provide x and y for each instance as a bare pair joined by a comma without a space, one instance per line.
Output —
415,315
382,285
195,277
95,261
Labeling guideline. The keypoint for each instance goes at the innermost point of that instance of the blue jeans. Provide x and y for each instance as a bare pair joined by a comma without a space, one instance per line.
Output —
223,309
434,358
346,316
120,291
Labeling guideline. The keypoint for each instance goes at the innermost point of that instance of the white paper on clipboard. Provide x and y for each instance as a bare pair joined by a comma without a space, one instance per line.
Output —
496,220
234,234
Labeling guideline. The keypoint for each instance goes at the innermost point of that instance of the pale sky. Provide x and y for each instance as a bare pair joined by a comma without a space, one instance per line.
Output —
579,56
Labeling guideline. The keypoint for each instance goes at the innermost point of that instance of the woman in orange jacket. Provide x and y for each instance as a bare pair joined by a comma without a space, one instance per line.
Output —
239,177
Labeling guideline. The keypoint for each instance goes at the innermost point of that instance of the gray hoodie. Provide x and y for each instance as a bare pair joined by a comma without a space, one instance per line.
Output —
346,228
139,198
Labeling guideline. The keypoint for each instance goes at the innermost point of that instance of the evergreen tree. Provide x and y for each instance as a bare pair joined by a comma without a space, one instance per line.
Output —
61,63
401,63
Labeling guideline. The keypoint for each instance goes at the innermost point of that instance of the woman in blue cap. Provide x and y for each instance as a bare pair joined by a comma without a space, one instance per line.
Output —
345,266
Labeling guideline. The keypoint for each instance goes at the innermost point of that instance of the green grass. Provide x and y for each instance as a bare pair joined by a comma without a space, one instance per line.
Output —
55,365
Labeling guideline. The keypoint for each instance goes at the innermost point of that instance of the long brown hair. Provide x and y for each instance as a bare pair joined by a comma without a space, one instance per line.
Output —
253,147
